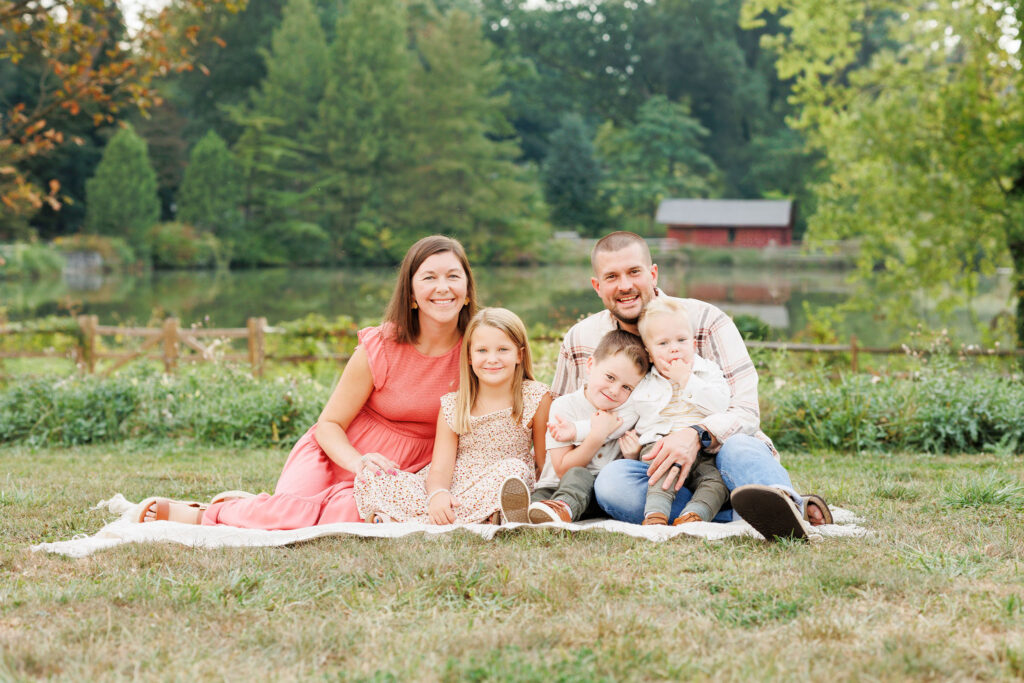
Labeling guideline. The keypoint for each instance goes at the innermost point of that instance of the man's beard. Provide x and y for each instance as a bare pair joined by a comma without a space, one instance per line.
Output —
626,321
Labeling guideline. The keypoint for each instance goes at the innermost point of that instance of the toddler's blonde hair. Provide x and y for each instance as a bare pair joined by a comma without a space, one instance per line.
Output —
661,305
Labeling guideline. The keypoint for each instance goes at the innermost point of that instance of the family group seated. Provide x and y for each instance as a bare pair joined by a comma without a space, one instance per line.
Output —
652,417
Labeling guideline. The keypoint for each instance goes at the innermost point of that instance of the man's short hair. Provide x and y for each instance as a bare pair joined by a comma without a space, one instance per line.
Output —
662,305
617,241
619,341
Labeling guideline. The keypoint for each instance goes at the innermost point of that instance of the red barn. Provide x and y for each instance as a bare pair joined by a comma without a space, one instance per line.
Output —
728,222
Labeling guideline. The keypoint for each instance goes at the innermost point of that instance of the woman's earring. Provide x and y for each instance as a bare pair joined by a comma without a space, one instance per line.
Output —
467,301
415,305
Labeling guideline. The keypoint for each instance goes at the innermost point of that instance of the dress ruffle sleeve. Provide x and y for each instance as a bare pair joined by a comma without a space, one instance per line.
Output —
448,409
373,341
533,393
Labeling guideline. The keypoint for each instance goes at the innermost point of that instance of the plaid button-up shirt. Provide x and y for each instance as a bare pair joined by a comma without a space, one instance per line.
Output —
717,339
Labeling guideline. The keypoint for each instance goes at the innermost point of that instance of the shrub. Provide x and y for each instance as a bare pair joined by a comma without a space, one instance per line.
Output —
211,404
177,245
114,251
29,260
938,410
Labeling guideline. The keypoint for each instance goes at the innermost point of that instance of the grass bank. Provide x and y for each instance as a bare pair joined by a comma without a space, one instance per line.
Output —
934,593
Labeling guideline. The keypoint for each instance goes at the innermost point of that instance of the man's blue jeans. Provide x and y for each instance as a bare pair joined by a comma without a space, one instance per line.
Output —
621,486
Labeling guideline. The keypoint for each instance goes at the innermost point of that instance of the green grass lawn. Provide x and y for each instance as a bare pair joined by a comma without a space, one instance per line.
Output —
936,592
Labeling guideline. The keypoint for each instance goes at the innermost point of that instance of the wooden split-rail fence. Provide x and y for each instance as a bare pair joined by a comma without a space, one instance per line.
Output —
172,344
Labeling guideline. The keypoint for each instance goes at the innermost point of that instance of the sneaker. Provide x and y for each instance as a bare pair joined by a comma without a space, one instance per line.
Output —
550,511
771,512
515,499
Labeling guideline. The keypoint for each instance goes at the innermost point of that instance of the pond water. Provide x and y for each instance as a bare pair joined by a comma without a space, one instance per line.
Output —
552,295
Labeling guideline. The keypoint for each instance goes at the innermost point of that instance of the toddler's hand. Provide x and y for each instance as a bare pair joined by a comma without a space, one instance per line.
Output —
679,371
604,423
562,430
629,444
442,508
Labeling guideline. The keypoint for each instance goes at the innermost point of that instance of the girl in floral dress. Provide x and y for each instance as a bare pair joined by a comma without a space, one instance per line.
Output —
485,431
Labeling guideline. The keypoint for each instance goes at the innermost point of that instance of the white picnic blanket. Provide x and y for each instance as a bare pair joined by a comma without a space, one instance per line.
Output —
126,530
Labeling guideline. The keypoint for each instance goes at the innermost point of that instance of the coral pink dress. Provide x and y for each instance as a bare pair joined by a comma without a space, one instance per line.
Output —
495,447
398,420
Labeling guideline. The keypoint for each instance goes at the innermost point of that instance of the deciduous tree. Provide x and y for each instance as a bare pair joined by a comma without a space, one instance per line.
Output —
89,70
924,143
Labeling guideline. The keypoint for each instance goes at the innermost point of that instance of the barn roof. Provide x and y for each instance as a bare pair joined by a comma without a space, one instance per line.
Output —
726,212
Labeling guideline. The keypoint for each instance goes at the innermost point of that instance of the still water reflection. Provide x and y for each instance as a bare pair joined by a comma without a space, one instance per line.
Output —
551,295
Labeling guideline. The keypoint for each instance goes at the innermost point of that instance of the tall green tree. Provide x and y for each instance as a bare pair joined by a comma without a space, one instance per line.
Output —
463,180
363,130
122,196
276,147
211,192
657,157
925,143
572,179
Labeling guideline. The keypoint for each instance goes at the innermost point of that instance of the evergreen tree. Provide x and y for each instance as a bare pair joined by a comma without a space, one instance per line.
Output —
211,193
572,179
122,198
363,130
275,149
463,181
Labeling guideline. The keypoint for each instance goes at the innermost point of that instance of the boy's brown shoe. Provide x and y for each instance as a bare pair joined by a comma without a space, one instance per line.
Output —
655,518
687,518
550,511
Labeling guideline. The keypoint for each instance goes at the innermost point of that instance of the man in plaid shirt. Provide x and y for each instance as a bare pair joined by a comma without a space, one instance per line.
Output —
626,279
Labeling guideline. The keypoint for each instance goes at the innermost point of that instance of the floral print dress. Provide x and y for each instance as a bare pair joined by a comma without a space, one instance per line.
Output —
494,448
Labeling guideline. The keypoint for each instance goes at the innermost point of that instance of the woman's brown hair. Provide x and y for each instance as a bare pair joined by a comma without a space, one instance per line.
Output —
405,322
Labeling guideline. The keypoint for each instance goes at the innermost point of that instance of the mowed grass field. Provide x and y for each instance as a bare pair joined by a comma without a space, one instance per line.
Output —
935,593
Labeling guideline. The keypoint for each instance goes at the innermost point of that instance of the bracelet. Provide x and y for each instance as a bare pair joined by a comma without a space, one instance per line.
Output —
435,492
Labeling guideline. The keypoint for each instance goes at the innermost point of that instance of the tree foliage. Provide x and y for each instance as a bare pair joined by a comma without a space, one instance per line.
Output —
924,142
87,70
572,179
122,197
657,157
277,147
211,193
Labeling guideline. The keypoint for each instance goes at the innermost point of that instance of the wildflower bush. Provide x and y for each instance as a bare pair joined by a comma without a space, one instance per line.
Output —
942,408
213,404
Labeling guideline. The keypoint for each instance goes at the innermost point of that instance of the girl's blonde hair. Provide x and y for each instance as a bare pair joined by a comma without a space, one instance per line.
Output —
469,386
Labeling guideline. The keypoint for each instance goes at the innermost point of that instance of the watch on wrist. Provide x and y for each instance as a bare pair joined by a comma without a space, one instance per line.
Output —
704,436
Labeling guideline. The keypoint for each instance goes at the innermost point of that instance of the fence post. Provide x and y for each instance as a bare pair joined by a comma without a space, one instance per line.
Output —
257,348
170,344
853,352
88,325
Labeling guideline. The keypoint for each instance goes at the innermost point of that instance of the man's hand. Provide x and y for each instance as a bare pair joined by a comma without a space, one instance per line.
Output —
562,430
678,447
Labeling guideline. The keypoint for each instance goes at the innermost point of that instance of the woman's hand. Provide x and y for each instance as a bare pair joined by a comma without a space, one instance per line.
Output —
371,463
442,508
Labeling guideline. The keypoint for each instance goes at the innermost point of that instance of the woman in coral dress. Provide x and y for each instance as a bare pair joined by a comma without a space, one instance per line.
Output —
382,415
